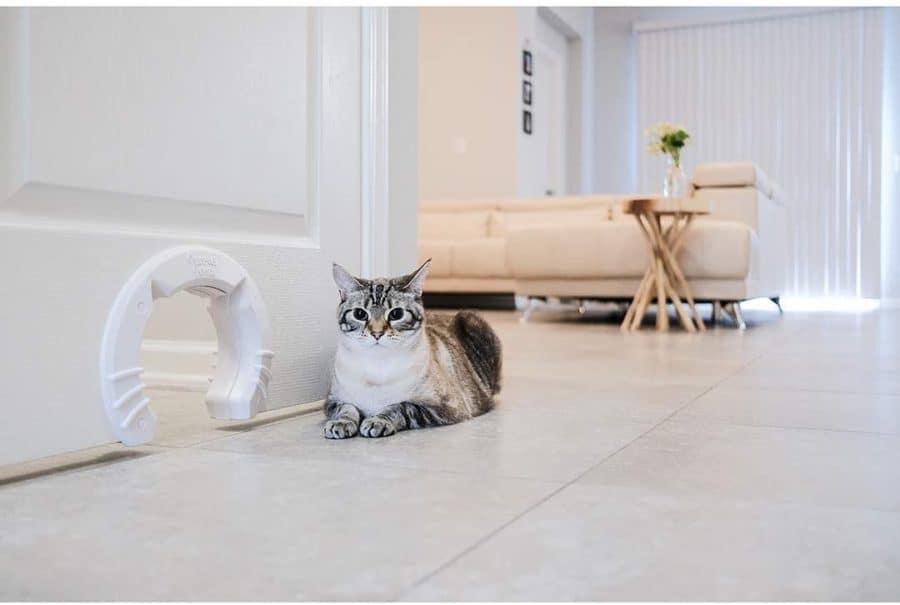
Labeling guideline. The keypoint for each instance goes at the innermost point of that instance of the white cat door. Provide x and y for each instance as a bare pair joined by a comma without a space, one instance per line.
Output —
239,387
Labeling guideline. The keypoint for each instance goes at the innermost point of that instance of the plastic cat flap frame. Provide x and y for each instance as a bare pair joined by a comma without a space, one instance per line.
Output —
243,368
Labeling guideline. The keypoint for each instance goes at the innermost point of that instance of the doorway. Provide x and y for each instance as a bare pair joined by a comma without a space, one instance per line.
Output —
551,157
550,109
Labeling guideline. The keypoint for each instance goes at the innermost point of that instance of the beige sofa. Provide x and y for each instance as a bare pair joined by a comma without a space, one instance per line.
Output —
585,247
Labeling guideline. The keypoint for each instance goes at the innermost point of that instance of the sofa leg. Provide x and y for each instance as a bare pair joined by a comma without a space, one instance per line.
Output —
777,301
530,307
716,312
734,309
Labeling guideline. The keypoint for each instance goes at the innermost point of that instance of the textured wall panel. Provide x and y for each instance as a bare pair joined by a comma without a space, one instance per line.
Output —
801,96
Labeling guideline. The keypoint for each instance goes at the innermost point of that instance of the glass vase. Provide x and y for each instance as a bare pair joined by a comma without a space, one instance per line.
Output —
675,186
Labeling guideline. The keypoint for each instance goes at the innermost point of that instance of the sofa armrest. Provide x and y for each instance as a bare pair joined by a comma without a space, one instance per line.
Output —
763,214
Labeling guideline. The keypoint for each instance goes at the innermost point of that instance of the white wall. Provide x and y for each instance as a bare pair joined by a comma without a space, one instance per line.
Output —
615,168
468,102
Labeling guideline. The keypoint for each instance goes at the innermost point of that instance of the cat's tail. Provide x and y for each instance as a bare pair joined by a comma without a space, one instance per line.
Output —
482,346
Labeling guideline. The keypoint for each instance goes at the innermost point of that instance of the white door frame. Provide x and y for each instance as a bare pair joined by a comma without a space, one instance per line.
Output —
375,104
578,30
389,111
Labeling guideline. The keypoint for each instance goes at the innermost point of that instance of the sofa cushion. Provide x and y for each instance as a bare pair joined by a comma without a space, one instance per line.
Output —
457,205
440,253
604,249
503,222
618,249
479,258
716,249
453,226
577,202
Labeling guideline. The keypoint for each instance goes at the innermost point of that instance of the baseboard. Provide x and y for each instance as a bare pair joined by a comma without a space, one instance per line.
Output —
469,300
181,365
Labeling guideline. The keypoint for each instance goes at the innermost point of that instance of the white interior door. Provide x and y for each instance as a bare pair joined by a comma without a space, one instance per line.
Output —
550,55
144,129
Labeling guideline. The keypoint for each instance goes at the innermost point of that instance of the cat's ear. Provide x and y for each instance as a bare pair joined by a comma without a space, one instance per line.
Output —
346,283
415,281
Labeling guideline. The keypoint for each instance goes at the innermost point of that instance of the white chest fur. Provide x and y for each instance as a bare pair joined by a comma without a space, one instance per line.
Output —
375,377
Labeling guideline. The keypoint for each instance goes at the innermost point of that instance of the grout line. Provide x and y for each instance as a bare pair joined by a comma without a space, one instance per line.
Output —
809,390
399,467
559,489
717,420
712,387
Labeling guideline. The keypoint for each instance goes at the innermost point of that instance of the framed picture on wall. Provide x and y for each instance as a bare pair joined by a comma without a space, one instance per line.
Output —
526,92
526,62
526,121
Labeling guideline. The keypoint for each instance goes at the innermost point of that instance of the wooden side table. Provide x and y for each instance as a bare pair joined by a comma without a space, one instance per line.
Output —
664,277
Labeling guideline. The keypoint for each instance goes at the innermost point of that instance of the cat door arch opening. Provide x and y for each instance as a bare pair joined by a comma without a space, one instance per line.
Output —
239,387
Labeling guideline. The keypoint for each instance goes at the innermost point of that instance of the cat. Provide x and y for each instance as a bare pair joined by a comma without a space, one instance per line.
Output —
398,367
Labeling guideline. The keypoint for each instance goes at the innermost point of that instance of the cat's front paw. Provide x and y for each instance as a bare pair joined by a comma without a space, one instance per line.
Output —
340,429
376,427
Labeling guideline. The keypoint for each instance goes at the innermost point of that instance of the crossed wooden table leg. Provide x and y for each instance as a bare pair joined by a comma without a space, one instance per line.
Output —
663,277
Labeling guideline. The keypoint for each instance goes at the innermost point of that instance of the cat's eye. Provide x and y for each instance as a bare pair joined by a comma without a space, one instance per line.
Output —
360,314
396,314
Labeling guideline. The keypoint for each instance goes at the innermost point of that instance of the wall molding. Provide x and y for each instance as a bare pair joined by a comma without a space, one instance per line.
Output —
375,152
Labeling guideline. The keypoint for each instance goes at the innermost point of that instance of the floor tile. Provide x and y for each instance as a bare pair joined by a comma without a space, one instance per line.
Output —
598,543
757,464
506,442
73,462
623,372
183,420
866,412
821,373
200,525
699,456
597,398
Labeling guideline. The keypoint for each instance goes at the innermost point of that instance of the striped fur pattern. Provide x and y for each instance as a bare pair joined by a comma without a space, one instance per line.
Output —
398,367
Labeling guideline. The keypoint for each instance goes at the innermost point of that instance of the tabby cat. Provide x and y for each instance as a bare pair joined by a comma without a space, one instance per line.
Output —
400,368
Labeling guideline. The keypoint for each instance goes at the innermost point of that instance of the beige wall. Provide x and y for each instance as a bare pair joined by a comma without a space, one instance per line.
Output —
468,102
471,144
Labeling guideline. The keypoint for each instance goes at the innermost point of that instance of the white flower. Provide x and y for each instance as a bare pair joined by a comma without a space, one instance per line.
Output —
658,135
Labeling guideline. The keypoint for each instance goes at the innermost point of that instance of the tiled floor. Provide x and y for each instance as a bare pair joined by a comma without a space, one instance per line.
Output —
731,465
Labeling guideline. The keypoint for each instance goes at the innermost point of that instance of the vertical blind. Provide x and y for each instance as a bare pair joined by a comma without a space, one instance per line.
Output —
799,95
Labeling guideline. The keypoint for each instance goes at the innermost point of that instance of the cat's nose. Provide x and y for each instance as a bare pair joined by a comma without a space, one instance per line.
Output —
377,335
